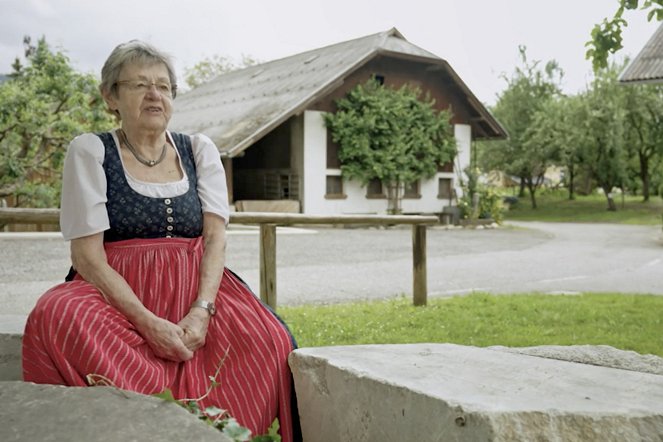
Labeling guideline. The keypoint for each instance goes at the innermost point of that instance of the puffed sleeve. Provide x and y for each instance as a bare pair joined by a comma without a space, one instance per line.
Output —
83,204
212,186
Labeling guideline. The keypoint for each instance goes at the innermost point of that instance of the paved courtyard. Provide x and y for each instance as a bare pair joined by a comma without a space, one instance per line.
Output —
320,265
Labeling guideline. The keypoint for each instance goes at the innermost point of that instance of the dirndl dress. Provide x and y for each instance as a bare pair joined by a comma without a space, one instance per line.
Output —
74,332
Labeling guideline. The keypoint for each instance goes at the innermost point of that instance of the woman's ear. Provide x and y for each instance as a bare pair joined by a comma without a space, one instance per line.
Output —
110,99
111,102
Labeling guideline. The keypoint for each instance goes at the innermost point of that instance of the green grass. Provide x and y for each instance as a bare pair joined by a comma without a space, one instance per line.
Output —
628,322
556,207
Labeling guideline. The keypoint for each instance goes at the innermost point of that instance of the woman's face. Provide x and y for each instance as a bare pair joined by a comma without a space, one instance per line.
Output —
143,98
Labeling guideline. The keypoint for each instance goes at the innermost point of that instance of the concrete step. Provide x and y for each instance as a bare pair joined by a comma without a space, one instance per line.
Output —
33,412
434,392
11,336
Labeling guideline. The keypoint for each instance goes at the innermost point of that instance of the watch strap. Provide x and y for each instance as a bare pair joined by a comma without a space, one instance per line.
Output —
209,306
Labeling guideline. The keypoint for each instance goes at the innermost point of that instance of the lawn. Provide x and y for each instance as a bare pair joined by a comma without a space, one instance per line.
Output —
556,207
627,322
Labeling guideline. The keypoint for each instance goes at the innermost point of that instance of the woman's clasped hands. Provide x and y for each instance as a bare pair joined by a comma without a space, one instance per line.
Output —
176,342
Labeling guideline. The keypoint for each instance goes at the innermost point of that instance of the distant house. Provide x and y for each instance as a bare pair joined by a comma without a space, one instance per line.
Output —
647,66
267,121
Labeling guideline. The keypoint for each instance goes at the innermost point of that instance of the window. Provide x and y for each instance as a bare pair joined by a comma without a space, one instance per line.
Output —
412,190
379,78
334,187
446,167
445,188
374,189
332,152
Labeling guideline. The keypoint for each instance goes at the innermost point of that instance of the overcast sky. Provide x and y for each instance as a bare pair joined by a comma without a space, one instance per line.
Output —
479,38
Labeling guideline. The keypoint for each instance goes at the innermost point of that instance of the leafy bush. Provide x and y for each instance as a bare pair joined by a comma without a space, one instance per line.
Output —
489,204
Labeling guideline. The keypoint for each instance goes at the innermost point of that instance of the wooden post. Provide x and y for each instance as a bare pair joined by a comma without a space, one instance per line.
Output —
419,289
3,204
268,264
228,167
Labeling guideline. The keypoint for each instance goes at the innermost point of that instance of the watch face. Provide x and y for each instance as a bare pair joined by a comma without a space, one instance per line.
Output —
212,308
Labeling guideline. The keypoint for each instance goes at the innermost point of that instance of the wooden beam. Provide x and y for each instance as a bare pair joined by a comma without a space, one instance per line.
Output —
52,216
268,223
268,264
419,282
282,219
29,216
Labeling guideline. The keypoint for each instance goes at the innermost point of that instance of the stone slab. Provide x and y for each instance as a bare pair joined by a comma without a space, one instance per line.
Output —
601,355
446,392
11,336
32,412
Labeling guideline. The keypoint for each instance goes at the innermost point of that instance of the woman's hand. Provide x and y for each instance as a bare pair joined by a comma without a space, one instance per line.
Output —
195,325
164,337
166,340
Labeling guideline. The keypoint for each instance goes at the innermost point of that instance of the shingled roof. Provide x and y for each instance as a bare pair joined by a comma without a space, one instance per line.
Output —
647,66
238,108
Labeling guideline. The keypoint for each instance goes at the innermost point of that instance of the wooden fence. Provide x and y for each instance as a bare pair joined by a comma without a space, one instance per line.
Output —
268,223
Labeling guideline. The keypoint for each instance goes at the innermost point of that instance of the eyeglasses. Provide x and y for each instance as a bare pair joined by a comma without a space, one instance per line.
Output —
144,86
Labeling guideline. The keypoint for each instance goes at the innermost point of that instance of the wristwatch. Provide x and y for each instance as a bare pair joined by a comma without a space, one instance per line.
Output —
209,306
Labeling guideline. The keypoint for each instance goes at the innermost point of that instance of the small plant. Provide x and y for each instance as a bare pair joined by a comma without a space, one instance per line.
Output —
214,416
221,419
479,201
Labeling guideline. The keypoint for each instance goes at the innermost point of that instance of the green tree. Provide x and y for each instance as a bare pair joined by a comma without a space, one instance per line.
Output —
643,106
393,135
606,37
523,155
555,132
211,67
44,105
605,153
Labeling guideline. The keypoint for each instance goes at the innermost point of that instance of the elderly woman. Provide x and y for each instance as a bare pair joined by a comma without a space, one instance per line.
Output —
149,303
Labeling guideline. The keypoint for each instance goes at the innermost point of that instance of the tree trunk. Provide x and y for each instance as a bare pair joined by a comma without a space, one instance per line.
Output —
521,193
572,177
612,207
394,197
532,192
644,176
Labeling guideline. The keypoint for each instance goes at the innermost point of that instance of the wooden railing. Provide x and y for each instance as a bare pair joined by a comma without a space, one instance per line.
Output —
268,223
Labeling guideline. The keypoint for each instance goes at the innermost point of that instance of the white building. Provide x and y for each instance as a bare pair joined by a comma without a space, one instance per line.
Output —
267,121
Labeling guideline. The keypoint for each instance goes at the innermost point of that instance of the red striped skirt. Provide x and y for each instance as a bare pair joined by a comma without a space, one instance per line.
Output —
73,332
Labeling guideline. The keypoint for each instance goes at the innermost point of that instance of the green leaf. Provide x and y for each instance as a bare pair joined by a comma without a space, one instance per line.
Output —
235,431
213,411
166,395
273,430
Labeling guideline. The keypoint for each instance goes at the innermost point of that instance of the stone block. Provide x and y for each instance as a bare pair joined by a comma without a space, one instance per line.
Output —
446,392
601,355
32,412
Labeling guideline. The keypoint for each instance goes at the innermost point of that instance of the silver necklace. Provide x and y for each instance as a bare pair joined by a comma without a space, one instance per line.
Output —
148,163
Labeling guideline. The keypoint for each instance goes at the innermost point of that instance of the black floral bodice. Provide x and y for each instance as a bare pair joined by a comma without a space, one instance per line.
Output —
132,215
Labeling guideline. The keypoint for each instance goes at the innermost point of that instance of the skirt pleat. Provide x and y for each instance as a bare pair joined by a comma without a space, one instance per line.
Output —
73,332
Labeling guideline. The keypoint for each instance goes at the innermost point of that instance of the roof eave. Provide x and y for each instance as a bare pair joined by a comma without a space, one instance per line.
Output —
473,100
652,80
338,80
299,107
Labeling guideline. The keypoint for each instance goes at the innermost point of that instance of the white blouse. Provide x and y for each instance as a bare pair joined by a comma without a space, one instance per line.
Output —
83,204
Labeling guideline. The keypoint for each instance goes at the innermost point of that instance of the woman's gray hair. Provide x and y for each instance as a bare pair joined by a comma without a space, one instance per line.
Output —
134,51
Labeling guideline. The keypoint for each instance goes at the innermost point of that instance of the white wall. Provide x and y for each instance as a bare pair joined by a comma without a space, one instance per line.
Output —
313,177
463,135
314,161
